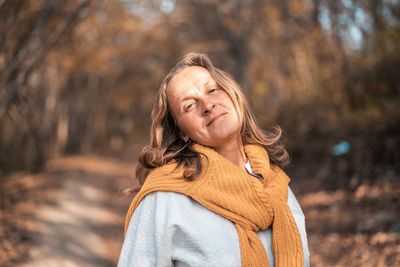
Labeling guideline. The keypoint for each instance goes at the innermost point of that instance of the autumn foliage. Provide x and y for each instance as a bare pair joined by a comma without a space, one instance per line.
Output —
81,77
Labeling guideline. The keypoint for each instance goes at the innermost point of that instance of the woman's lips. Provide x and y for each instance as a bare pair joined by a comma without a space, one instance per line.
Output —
216,118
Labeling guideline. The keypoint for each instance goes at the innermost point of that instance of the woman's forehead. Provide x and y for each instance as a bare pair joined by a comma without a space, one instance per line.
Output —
193,76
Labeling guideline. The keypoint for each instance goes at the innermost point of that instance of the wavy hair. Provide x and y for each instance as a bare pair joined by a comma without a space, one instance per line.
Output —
166,143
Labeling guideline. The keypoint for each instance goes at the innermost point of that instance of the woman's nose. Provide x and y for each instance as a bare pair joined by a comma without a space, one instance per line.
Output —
207,108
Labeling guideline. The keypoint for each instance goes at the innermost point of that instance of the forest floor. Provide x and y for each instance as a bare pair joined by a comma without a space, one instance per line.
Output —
72,215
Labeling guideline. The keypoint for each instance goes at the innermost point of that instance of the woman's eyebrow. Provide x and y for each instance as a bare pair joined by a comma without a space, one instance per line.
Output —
208,83
185,98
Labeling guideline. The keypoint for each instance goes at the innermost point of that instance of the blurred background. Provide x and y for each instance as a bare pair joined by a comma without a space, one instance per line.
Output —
77,84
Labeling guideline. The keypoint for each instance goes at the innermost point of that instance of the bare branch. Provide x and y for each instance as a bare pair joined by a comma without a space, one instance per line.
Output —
29,41
21,80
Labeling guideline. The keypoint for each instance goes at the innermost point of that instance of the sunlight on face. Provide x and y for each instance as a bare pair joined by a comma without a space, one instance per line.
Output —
203,110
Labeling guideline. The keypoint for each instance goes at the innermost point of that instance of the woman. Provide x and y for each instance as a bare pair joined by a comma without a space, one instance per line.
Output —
213,190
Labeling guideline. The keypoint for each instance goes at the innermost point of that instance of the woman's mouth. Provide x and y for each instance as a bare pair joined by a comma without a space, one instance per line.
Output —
216,118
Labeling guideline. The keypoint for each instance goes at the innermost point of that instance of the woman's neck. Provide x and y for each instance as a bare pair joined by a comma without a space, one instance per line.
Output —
234,152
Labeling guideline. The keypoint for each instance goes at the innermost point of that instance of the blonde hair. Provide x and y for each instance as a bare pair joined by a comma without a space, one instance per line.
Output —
166,143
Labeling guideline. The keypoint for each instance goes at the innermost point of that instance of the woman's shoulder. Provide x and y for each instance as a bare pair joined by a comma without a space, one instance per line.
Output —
162,207
165,198
172,201
176,204
178,209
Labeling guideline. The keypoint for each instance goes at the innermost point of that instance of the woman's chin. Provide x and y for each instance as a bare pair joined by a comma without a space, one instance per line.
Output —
224,140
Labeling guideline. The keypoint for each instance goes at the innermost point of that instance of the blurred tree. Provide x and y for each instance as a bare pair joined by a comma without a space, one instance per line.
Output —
28,32
323,70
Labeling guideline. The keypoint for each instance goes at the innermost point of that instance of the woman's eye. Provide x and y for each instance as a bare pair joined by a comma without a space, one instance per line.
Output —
212,90
189,106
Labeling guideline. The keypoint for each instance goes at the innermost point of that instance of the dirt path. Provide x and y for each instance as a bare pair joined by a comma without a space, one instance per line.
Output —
77,218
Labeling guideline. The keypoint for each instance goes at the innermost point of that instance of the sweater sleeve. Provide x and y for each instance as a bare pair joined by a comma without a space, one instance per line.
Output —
300,221
148,238
171,229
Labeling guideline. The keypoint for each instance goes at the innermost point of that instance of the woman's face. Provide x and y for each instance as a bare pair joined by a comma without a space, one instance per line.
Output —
203,111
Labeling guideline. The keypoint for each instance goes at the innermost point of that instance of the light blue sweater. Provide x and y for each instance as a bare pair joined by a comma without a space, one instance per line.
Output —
171,229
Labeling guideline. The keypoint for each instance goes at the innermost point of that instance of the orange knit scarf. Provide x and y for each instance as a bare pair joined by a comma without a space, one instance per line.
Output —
231,192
